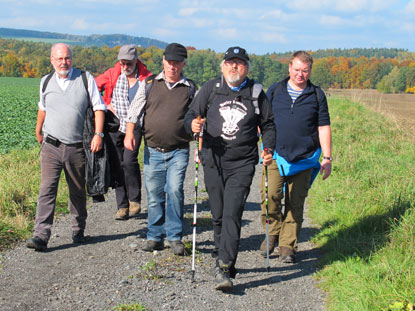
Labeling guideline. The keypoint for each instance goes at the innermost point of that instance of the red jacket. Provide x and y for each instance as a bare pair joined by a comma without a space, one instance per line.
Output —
108,79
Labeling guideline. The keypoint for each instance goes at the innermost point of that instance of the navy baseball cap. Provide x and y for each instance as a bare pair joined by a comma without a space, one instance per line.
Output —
236,52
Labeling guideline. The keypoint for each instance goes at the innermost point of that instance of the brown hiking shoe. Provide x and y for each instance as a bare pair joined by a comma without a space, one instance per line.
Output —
287,255
122,214
273,239
135,209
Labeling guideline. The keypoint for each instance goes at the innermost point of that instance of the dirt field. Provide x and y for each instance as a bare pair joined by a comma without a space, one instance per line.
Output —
398,107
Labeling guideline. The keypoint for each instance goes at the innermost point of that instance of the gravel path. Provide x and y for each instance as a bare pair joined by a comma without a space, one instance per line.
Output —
111,269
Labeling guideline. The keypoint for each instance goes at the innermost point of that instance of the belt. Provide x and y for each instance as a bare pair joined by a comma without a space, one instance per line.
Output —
170,149
56,142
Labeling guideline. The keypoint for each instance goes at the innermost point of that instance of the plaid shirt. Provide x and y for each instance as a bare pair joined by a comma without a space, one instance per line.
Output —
120,101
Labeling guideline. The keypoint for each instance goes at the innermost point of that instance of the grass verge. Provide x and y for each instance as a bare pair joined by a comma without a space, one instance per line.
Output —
19,186
366,213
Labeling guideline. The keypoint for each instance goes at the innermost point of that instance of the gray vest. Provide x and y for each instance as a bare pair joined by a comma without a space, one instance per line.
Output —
65,110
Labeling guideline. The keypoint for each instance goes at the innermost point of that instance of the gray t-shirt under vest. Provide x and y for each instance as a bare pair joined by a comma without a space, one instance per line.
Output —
65,109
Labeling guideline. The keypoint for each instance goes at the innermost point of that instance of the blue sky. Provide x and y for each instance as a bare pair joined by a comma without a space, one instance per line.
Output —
259,26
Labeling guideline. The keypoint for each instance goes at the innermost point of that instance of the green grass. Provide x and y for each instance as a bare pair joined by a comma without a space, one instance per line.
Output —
130,307
366,213
19,186
18,113
19,160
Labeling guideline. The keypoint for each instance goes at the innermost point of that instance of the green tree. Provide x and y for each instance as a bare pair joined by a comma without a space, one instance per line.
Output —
322,75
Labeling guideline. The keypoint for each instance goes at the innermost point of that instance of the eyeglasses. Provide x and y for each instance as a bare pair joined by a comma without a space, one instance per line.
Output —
238,62
127,64
62,59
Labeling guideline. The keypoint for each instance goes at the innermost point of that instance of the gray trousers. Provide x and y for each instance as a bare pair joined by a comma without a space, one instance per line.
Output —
52,160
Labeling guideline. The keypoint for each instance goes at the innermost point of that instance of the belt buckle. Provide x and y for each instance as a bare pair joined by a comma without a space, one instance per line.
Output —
160,149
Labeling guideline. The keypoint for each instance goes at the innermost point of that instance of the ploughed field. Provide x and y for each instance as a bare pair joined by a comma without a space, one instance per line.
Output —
398,107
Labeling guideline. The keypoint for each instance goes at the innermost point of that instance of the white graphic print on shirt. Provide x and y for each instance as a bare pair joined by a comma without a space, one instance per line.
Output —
232,112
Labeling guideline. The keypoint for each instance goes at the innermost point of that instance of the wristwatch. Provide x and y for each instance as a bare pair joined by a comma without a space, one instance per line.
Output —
100,134
328,158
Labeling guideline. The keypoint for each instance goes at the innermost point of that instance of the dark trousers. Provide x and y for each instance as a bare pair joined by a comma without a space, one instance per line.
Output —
228,191
125,170
54,159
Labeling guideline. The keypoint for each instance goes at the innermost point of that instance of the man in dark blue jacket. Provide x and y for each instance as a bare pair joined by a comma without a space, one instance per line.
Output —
303,132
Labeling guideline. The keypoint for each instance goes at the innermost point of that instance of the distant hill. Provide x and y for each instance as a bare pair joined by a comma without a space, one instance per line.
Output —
92,40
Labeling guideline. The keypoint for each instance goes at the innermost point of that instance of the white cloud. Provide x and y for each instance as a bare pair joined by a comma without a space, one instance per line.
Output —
410,7
188,11
341,5
164,32
271,37
80,24
353,22
225,33
22,22
408,27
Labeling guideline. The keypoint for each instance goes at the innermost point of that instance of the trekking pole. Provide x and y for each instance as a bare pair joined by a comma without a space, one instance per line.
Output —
195,204
266,213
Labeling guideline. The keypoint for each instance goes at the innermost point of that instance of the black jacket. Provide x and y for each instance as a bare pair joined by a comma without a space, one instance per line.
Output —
231,127
97,170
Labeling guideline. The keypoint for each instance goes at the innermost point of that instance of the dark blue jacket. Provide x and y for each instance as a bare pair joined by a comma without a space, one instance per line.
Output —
297,123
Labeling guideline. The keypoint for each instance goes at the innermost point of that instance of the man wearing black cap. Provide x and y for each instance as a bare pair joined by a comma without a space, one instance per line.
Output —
120,84
231,107
166,151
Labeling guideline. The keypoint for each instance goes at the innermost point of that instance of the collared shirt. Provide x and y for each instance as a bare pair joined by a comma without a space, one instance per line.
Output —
95,96
136,110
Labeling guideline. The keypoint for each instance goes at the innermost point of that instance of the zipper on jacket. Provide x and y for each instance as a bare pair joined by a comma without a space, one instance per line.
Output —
292,107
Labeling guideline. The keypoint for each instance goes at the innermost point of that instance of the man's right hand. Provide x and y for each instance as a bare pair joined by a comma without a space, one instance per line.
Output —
197,125
39,138
129,141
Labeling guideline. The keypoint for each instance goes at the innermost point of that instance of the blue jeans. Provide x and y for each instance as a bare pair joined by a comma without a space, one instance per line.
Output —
164,174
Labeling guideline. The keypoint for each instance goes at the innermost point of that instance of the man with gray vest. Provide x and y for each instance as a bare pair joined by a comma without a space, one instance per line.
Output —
59,128
166,151
231,109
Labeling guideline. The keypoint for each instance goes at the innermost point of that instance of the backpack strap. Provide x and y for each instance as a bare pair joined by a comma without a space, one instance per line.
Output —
46,82
279,85
318,96
256,90
192,89
85,81
212,94
276,89
149,84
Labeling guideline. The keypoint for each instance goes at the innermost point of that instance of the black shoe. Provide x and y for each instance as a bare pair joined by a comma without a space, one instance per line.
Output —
177,247
78,237
222,279
37,243
288,259
152,245
215,253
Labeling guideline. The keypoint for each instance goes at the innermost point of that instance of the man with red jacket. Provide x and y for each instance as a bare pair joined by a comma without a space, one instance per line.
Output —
120,84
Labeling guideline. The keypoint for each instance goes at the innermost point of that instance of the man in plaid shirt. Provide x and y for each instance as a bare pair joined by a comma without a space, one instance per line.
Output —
120,84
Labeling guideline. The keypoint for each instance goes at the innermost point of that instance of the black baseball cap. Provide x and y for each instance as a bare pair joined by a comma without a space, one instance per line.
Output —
176,52
237,52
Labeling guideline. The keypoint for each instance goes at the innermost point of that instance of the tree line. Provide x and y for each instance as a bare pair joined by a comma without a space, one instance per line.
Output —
388,70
